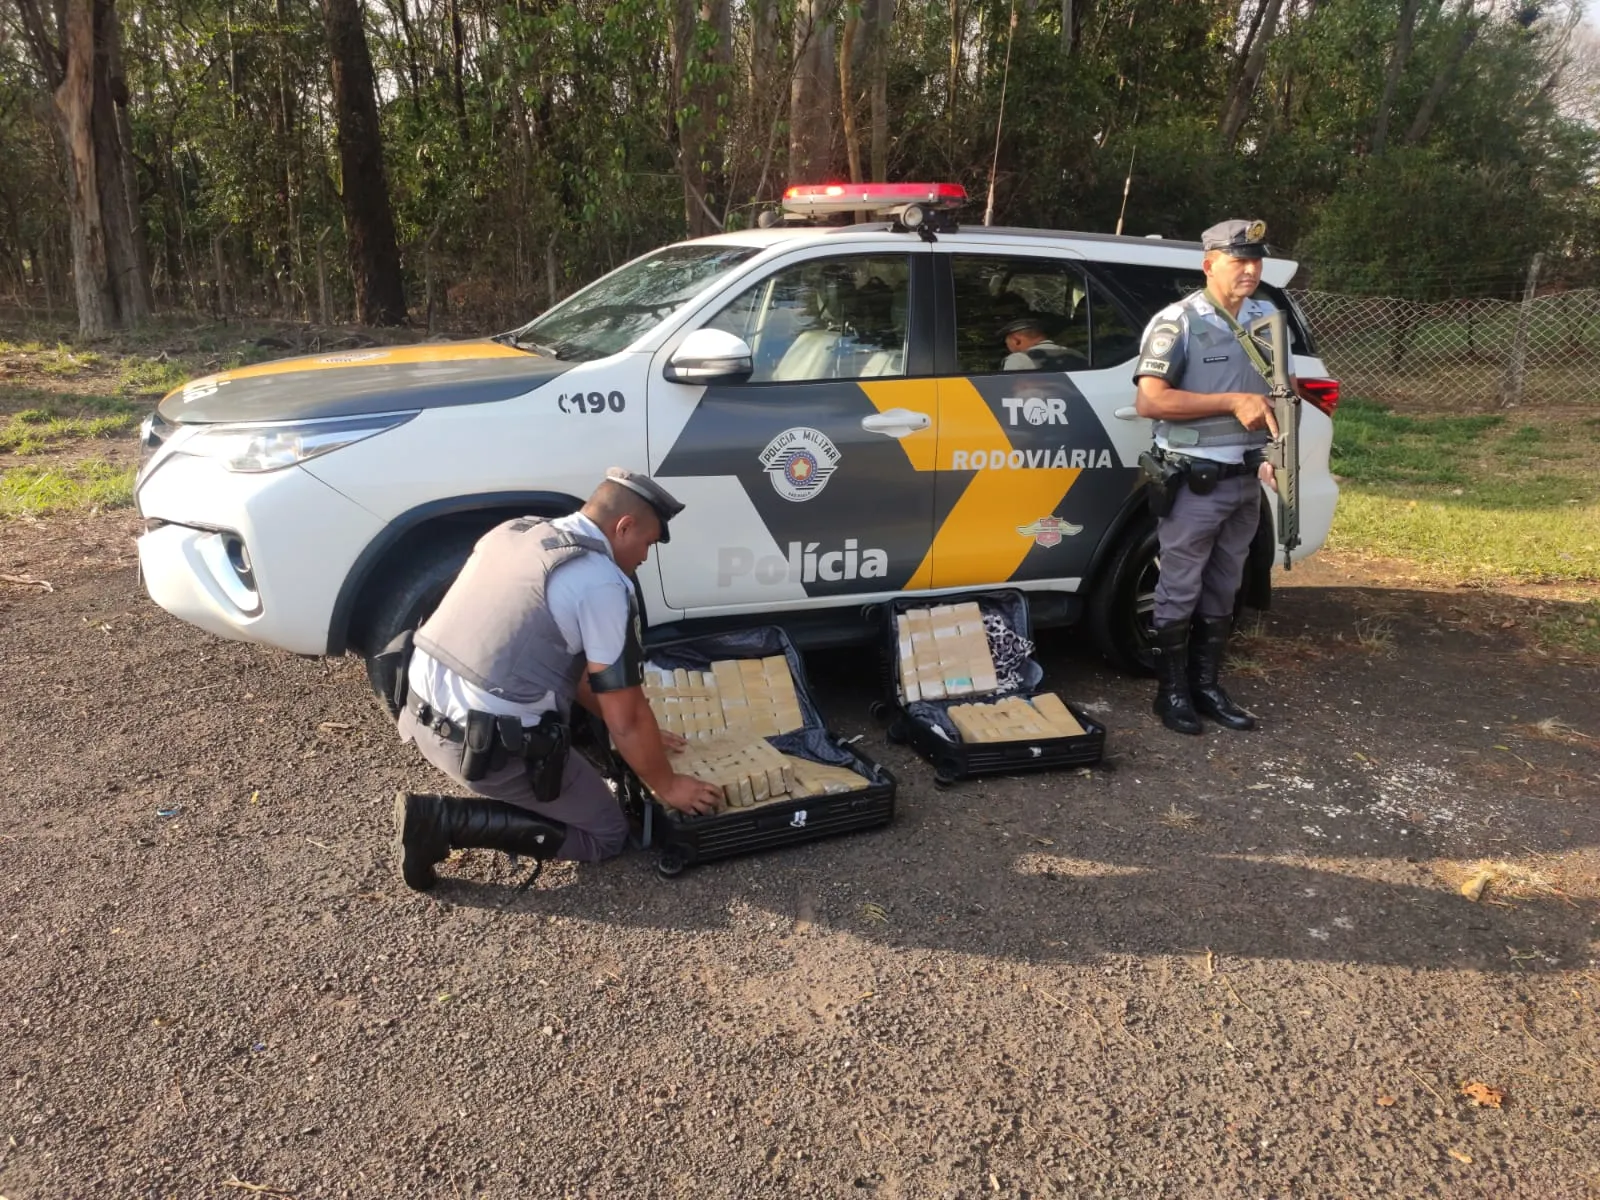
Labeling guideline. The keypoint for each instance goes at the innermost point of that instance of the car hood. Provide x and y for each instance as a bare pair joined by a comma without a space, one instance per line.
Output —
349,383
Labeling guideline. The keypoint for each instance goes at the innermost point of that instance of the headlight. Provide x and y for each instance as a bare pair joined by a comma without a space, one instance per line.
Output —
269,447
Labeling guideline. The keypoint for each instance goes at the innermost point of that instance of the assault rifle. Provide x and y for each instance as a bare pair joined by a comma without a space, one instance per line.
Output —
1283,452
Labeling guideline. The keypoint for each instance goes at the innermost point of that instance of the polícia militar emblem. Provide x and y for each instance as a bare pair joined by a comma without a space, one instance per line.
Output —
799,462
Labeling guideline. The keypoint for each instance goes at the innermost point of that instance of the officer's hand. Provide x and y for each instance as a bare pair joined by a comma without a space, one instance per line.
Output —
687,794
1267,475
1255,412
673,743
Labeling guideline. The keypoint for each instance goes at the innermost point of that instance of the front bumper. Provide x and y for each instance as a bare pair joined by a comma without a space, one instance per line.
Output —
251,557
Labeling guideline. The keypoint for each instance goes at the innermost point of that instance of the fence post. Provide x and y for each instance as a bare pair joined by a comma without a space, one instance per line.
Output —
1516,372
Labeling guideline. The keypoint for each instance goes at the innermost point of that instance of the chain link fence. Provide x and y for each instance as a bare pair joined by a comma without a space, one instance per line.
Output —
1468,354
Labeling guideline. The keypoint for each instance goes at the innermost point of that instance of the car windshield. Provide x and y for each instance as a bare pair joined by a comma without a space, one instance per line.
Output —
620,308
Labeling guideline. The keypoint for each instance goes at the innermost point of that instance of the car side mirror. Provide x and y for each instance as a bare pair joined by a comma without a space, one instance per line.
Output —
710,356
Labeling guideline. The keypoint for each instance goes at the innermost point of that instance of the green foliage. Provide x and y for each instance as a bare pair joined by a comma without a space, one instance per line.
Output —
551,143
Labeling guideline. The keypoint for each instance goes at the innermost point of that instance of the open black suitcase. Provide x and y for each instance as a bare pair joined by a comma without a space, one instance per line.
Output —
925,725
684,841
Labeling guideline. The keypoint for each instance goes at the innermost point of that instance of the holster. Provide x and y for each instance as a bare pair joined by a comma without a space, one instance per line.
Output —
478,745
545,749
1165,478
391,667
489,742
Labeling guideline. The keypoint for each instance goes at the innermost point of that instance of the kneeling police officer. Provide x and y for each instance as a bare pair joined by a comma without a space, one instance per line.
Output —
542,616
1205,383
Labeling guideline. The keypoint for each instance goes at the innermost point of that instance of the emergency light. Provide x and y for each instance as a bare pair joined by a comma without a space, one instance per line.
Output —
911,201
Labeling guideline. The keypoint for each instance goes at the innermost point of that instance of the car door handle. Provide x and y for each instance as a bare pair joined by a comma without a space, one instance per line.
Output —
897,422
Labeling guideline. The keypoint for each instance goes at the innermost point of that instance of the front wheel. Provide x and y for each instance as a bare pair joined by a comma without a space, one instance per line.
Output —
1121,613
406,597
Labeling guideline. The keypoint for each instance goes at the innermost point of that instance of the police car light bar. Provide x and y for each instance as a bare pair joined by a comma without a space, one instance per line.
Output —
813,199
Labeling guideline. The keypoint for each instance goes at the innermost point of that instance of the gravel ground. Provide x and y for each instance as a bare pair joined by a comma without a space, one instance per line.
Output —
1237,965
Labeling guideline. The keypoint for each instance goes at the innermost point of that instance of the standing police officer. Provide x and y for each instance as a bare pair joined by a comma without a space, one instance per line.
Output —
1205,384
541,617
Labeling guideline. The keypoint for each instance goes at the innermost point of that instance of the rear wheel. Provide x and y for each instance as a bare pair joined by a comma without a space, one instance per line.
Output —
1122,606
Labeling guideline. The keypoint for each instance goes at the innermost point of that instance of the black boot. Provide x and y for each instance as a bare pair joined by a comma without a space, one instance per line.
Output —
1173,706
427,828
1208,647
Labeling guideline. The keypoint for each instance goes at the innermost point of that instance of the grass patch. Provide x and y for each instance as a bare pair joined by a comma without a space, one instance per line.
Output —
51,420
150,377
77,487
1473,543
1470,497
1575,630
64,360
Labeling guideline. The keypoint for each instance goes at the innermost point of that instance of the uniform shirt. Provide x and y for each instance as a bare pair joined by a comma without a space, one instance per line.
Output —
1041,356
590,599
1191,346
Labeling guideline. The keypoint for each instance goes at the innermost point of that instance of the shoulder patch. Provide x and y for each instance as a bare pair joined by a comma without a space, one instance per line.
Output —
1154,366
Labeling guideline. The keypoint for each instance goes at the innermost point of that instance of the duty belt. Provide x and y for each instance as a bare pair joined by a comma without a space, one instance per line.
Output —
1252,462
435,721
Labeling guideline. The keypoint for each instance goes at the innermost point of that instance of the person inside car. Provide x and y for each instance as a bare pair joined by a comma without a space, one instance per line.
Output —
1029,349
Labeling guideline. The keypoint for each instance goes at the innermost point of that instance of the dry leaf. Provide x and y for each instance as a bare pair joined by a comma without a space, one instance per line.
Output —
1483,1095
1472,889
1460,1157
1386,1101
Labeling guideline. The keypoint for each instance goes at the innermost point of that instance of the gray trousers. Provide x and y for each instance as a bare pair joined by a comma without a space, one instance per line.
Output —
1205,543
596,827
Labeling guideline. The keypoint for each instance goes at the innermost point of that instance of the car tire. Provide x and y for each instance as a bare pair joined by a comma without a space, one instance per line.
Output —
407,597
1122,604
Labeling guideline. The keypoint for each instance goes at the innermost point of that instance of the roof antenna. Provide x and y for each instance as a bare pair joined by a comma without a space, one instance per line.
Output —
988,209
1127,185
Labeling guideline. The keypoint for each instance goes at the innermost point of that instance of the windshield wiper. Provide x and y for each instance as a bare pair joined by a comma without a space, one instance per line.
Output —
539,348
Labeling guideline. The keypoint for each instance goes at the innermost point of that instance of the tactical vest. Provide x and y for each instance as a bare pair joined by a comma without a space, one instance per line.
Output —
1223,430
1204,433
494,627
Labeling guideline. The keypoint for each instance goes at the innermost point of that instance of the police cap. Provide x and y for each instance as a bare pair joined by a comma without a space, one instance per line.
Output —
1239,239
1017,326
666,506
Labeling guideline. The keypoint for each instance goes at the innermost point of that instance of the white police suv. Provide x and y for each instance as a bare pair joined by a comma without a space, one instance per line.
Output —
831,401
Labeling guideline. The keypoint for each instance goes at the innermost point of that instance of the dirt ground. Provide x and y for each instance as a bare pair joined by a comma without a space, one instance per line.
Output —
1237,965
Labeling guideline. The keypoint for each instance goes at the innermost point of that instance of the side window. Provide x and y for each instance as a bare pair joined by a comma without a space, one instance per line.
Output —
825,318
1019,314
1115,338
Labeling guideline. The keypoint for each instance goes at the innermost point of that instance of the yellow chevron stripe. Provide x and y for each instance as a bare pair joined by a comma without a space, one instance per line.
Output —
978,542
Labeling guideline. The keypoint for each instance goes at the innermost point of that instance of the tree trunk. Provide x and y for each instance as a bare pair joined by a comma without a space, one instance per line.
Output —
700,46
1255,62
1467,32
847,91
97,314
811,93
1397,66
879,70
110,276
369,222
128,254
458,38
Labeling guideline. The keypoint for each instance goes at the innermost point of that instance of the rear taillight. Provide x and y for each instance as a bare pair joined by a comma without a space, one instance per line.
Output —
1324,393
